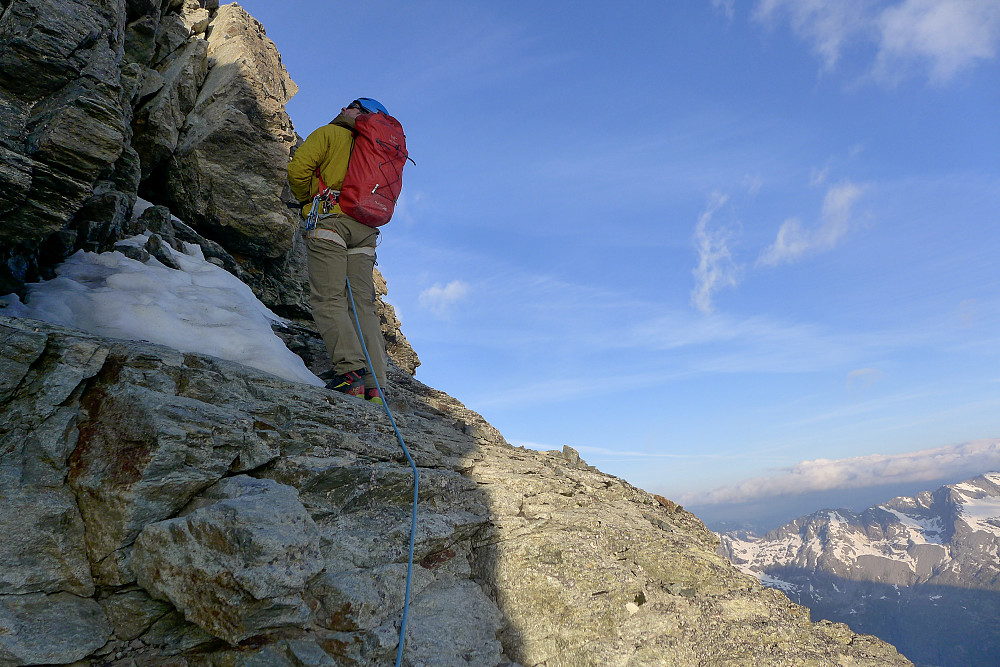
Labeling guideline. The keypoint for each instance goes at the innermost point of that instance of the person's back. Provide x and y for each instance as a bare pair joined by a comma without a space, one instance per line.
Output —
340,249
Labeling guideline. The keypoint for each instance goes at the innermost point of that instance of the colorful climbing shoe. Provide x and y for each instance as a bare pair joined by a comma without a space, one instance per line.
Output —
372,396
351,383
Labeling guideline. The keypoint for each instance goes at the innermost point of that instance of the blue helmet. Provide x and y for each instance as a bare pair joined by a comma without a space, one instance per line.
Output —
371,106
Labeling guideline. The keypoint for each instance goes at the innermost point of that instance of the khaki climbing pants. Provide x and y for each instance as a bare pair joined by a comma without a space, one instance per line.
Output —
341,249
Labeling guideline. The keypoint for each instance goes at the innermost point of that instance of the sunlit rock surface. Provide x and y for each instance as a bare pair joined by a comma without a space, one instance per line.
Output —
230,516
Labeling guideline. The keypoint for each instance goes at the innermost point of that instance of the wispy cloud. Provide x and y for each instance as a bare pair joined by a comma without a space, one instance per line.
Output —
863,377
827,24
725,7
942,37
795,241
948,35
440,299
716,268
862,471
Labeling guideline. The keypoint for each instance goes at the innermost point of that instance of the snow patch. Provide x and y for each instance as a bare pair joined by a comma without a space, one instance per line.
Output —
982,514
200,308
921,530
785,587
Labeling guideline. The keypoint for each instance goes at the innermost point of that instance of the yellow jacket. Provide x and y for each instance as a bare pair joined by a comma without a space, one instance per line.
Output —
328,148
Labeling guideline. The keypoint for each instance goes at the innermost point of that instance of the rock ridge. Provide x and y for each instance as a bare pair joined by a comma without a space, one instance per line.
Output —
212,514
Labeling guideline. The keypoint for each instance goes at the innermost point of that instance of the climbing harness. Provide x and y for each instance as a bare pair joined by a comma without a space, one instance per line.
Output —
416,482
333,236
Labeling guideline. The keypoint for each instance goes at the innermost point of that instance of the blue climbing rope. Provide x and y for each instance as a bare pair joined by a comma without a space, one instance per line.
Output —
416,482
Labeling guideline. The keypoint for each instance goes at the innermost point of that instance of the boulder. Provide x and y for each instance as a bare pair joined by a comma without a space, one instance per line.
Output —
238,566
54,629
141,457
195,17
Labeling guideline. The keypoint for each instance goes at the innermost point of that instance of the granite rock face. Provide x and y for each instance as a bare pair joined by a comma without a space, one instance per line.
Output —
227,170
216,515
179,101
396,345
64,117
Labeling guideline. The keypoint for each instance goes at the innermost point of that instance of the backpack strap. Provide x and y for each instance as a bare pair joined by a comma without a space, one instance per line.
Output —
324,192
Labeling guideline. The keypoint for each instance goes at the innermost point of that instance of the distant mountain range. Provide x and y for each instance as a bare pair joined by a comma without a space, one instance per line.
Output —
920,572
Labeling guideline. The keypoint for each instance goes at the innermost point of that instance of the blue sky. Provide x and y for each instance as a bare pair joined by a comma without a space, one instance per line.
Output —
701,242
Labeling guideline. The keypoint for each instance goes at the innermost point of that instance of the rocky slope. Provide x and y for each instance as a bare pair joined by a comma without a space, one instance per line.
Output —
163,508
922,572
167,508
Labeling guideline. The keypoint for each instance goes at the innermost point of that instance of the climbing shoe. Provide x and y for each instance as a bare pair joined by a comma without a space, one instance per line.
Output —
372,396
351,383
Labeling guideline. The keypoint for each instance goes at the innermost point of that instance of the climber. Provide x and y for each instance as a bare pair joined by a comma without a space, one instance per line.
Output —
340,249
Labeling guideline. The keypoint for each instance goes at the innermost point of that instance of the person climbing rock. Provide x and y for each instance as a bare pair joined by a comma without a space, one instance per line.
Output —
340,249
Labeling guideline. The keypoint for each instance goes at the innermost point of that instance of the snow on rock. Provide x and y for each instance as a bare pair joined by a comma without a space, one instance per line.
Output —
918,529
904,541
199,308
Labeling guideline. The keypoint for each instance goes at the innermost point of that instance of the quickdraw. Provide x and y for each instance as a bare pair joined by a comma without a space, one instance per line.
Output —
325,199
322,204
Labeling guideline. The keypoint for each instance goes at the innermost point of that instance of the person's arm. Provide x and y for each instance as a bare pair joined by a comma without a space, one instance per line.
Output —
302,168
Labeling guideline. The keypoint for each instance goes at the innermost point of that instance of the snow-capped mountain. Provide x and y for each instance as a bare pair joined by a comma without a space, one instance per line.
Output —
922,572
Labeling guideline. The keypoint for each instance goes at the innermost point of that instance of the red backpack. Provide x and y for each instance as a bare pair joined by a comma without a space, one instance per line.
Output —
375,171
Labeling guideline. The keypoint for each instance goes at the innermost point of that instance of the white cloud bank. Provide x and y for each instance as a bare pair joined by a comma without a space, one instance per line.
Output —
440,299
795,241
716,268
861,472
943,36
